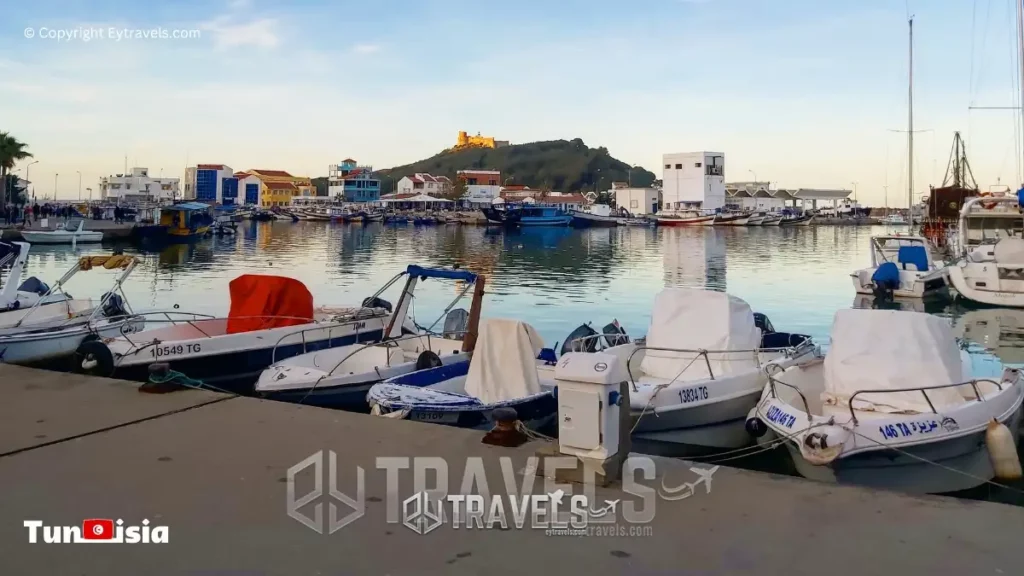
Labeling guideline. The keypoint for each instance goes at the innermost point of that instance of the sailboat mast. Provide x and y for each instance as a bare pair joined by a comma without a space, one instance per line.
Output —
1020,74
910,129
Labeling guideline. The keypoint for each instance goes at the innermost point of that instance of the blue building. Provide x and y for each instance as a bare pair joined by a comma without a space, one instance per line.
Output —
352,183
212,183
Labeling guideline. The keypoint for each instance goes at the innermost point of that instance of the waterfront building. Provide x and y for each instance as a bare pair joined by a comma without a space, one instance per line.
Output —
421,183
303,185
759,196
350,182
211,183
277,194
693,180
639,201
139,187
482,186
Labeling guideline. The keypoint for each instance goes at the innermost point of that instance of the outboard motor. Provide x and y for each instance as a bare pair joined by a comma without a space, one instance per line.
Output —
615,335
377,303
455,323
35,286
762,322
114,306
589,345
886,279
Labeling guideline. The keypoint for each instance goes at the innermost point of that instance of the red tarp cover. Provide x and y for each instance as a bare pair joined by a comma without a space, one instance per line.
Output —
259,302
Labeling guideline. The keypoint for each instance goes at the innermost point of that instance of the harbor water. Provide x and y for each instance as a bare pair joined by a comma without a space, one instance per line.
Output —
553,278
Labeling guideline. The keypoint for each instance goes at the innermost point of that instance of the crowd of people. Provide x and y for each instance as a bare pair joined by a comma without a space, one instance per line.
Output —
26,214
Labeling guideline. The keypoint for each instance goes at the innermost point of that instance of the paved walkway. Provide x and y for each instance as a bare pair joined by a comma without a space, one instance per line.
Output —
214,470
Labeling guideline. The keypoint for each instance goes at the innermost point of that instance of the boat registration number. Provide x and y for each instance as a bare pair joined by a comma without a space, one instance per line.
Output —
175,350
438,417
695,394
780,417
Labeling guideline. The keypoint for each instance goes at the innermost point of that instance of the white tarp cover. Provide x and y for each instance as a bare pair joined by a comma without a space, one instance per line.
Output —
691,319
504,363
891,349
1009,251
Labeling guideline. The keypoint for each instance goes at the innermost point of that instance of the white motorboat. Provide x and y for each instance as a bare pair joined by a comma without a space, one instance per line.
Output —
701,370
46,332
501,372
894,219
901,267
271,318
63,235
340,377
990,273
17,297
891,399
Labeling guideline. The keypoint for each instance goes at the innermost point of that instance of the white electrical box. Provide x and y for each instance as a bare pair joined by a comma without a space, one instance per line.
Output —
589,403
579,417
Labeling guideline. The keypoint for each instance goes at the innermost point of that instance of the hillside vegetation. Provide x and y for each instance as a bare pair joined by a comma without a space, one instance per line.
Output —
559,165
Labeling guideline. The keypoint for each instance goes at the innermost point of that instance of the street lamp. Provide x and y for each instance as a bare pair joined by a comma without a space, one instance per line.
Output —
55,185
754,174
29,165
854,192
79,185
505,183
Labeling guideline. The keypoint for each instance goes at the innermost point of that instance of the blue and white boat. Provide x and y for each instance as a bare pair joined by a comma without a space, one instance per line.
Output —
502,372
340,377
526,215
271,318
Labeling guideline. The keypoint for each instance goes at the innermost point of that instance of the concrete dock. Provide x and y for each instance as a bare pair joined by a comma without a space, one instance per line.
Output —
213,469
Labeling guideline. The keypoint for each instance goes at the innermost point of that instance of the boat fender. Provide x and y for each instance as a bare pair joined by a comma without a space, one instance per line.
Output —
756,427
428,359
1002,451
94,358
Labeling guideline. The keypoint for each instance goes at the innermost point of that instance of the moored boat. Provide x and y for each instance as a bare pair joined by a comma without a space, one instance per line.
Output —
891,406
526,215
734,219
63,235
803,220
595,215
901,267
684,219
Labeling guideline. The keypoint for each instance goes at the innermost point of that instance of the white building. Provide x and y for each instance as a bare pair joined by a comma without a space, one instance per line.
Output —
482,186
421,183
693,180
639,201
139,187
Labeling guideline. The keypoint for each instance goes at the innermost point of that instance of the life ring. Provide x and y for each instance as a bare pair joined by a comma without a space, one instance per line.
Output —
988,205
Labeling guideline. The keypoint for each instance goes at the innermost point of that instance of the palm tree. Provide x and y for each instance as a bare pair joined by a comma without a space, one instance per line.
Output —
11,151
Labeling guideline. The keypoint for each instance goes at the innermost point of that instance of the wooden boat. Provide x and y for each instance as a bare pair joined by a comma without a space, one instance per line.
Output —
731,219
186,221
797,221
685,219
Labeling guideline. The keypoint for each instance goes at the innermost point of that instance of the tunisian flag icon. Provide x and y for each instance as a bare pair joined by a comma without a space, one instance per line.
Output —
97,529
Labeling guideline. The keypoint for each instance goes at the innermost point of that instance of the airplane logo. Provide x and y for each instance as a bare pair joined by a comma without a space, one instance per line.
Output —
687,489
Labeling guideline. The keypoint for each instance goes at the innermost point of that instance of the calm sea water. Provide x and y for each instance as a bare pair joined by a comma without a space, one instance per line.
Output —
553,278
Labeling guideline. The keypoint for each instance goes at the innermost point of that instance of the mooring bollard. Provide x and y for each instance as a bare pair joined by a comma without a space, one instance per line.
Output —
506,431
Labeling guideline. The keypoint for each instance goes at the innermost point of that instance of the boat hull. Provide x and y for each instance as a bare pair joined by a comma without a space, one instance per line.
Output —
912,284
47,346
584,220
54,238
734,220
694,221
961,286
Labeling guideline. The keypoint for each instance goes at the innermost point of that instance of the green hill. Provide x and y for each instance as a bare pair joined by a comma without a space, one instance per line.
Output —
559,165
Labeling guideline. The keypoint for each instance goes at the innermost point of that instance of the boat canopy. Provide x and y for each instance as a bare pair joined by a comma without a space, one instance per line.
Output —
892,350
421,272
686,320
261,302
189,206
504,365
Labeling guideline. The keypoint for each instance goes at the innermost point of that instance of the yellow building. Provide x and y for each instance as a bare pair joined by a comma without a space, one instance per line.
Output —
478,141
303,186
277,194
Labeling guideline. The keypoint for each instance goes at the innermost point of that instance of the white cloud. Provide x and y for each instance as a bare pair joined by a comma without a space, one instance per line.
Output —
366,48
261,33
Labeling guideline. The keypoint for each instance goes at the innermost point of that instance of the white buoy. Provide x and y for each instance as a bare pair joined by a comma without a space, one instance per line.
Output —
1003,451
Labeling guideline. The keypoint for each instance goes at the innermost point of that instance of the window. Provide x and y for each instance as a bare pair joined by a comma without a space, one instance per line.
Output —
668,166
697,165
679,166
633,204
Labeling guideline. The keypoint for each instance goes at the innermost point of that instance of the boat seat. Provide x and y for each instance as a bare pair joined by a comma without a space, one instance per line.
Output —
913,258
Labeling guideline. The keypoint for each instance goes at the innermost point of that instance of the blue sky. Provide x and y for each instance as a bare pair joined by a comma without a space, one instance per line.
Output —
801,92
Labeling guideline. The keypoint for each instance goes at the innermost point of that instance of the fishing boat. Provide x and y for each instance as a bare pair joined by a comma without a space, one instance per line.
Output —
501,372
340,377
526,214
373,217
647,222
595,215
891,406
187,221
263,216
684,218
756,219
63,235
901,267
41,337
731,219
701,369
802,220
990,273
271,318
772,220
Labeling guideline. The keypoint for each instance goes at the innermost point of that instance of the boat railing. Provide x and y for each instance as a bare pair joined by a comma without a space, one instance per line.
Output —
193,319
393,343
773,382
603,342
924,392
705,354
326,325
